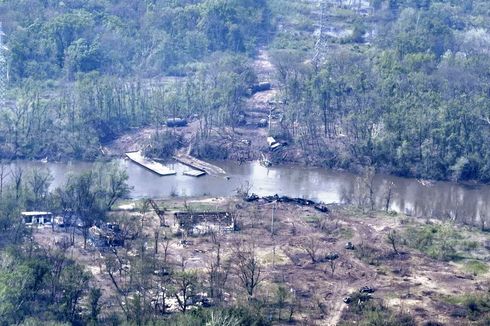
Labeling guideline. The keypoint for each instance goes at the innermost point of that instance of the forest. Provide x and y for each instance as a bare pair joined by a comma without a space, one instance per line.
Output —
405,92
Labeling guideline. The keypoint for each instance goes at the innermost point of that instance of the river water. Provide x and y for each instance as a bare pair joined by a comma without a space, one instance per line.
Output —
409,196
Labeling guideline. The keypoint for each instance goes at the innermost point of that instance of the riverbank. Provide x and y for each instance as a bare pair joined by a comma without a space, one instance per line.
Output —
443,200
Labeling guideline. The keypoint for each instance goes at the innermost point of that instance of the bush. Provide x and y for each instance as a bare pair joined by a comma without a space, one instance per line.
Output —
206,149
164,145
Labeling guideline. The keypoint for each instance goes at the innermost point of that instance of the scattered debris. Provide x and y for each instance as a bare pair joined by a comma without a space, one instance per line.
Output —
285,199
108,235
265,162
200,223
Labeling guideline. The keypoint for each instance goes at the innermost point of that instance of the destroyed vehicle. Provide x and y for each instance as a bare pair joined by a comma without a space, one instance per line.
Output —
366,289
349,246
251,198
108,235
322,208
332,256
260,87
176,122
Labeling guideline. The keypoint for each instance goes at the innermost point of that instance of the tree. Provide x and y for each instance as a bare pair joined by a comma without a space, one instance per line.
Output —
38,182
218,275
114,184
184,286
94,303
393,239
312,245
82,196
248,269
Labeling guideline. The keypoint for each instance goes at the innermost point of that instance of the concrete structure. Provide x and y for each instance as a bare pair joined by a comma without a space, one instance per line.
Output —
37,218
151,165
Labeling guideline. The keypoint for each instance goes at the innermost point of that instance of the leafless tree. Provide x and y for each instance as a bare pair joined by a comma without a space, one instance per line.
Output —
311,245
4,174
184,286
393,239
156,236
389,193
218,275
248,269
166,246
333,265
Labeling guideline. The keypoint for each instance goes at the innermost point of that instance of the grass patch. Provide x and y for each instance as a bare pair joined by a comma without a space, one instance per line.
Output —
438,241
475,307
312,219
476,267
346,233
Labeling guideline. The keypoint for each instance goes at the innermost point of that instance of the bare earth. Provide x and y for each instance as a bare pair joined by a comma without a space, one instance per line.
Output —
411,282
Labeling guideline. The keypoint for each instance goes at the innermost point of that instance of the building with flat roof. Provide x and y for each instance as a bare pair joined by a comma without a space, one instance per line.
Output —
37,218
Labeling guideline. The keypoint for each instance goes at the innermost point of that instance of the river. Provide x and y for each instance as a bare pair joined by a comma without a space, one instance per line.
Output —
409,196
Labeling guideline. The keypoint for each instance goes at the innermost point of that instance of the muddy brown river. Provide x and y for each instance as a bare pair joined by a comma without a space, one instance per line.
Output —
409,196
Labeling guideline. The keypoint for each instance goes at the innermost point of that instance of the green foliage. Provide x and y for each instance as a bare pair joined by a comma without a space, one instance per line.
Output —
365,311
412,102
164,144
40,285
240,315
476,267
476,307
59,39
437,241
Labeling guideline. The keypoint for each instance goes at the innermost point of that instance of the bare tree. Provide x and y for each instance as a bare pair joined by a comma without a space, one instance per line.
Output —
248,269
218,275
312,246
184,286
4,174
17,174
333,265
365,189
393,239
389,193
156,236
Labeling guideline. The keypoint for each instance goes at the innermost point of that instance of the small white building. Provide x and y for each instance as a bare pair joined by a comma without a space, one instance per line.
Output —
37,218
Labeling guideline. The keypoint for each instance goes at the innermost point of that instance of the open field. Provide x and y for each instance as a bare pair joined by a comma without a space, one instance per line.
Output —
303,251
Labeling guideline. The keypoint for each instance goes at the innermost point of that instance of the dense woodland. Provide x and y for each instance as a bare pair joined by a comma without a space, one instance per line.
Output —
406,92
414,101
